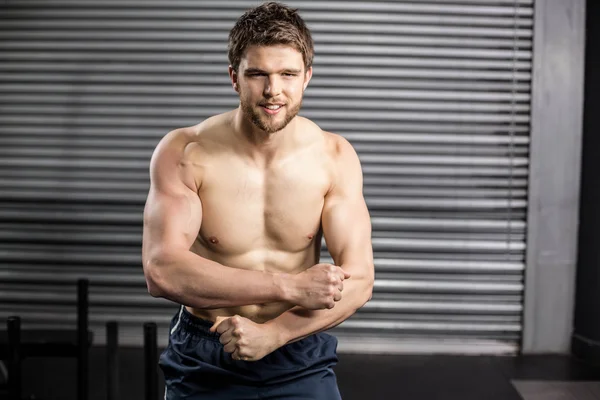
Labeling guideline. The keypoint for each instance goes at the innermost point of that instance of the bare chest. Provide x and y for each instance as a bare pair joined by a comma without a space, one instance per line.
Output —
247,209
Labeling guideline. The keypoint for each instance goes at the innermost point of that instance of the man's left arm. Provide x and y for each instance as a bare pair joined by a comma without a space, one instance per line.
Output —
347,229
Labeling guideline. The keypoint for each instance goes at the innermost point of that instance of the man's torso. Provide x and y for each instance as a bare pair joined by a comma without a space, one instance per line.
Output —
260,215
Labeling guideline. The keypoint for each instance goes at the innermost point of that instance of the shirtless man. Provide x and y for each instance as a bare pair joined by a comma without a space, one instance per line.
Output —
233,225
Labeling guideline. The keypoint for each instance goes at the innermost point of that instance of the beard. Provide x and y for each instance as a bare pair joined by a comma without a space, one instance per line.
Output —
266,122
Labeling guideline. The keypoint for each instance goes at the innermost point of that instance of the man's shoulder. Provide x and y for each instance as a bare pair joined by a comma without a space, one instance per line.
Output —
338,147
195,137
335,143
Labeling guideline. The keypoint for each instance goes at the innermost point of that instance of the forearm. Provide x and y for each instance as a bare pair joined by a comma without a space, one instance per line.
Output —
186,278
300,322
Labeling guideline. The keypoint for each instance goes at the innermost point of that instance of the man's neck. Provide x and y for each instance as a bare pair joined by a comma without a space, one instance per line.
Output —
259,145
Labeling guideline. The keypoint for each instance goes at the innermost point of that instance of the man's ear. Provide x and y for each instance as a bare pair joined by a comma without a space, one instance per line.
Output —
307,76
233,76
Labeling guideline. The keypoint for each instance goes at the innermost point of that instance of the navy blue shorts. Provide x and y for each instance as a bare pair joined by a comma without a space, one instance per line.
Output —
195,366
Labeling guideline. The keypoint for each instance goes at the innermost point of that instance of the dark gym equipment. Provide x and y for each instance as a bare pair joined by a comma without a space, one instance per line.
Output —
17,344
150,361
112,360
13,326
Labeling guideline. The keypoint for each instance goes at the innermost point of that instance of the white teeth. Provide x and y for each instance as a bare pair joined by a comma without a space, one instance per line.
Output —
274,107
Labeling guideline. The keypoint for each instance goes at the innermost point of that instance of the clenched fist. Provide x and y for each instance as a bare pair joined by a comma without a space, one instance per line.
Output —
244,339
318,287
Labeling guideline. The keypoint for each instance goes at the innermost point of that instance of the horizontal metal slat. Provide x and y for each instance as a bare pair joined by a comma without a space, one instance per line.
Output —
67,184
450,139
463,246
507,31
135,156
68,145
433,327
222,37
154,74
499,237
141,137
182,46
178,46
54,92
458,193
162,125
60,173
115,277
459,318
312,113
482,7
462,266
440,160
81,216
48,318
370,70
393,180
414,254
115,155
440,224
63,185
142,165
446,182
374,202
128,215
64,275
356,102
447,287
138,297
80,256
382,306
98,197
440,171
480,16
77,237
371,163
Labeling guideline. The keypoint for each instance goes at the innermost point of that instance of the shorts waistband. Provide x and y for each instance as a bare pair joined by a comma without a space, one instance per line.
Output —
194,325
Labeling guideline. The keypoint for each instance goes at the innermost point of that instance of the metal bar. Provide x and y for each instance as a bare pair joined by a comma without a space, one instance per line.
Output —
82,339
13,325
112,360
150,361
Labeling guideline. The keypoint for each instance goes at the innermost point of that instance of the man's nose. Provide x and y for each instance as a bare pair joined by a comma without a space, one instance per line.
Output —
272,87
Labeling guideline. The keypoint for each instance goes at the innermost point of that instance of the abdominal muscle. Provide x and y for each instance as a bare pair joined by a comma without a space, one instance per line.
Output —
259,260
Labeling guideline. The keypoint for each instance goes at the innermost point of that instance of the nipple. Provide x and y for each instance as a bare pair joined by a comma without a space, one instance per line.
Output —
310,236
213,240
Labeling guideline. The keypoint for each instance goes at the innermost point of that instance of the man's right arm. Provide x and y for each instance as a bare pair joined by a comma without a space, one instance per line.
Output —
172,218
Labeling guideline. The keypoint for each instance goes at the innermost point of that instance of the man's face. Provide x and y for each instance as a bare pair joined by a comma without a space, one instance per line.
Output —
271,81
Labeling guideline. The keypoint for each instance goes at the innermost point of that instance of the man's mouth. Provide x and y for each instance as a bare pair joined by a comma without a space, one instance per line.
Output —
272,108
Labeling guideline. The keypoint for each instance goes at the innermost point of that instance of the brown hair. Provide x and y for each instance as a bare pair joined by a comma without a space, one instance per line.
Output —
270,24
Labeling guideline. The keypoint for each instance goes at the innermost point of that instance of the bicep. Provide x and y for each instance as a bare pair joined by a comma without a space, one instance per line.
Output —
347,231
346,221
171,221
173,211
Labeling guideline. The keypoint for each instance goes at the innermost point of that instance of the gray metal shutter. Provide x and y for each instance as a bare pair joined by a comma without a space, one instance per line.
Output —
434,95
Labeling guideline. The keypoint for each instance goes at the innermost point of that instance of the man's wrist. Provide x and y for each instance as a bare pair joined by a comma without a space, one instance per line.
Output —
278,334
283,287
